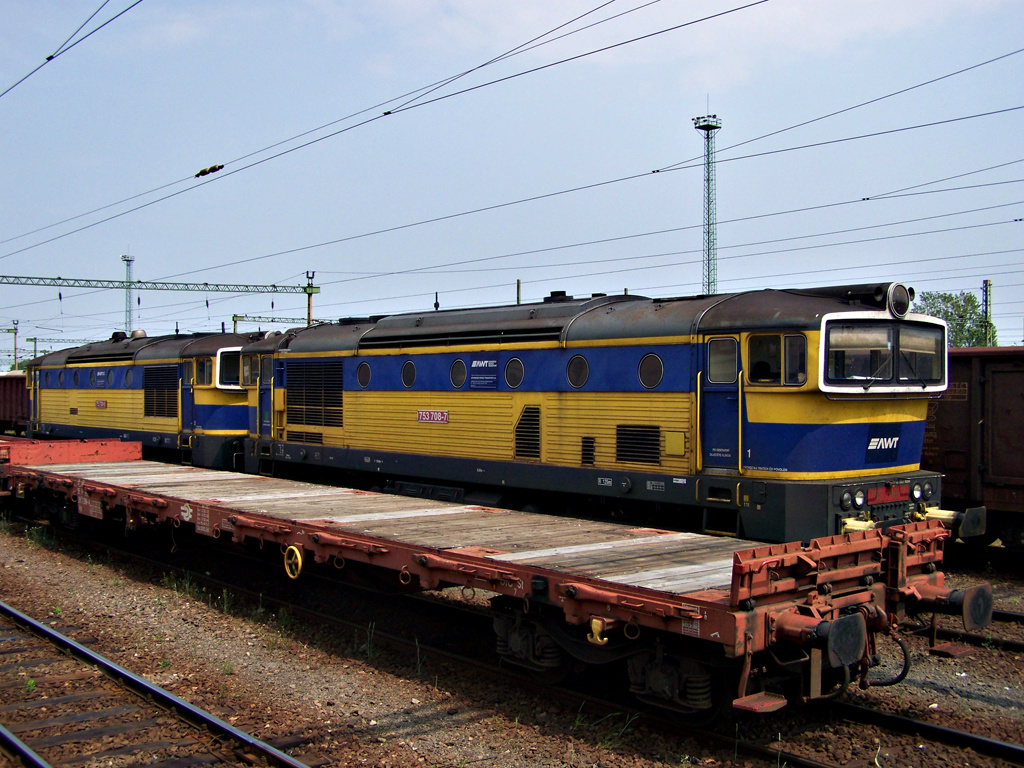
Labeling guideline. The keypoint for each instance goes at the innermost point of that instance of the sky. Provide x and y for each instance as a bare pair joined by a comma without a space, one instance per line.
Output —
475,152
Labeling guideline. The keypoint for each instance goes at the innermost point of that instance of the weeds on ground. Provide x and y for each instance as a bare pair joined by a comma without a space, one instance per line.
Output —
30,685
614,736
285,620
259,613
420,661
38,536
370,650
181,586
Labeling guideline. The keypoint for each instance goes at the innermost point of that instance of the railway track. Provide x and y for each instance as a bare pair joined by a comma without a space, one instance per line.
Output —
455,619
66,705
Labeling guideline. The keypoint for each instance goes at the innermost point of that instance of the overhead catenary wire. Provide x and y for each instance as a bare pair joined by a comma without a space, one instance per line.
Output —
437,269
372,119
64,47
296,137
808,236
434,269
292,251
844,110
671,167
545,196
632,269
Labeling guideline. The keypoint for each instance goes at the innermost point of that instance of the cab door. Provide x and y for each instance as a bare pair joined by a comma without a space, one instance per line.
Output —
187,400
721,404
34,402
265,399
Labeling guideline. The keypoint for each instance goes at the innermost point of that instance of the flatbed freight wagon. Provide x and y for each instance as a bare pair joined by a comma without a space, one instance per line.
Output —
700,622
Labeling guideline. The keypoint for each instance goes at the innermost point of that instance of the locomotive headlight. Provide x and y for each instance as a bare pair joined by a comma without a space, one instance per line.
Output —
899,299
917,491
846,500
928,490
858,498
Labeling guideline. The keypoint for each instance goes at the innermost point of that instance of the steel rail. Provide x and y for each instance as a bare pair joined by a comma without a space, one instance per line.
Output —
973,638
1012,753
158,695
1008,617
19,750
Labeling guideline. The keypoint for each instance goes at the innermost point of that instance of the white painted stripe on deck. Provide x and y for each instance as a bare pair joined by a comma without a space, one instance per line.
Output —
536,554
408,513
666,576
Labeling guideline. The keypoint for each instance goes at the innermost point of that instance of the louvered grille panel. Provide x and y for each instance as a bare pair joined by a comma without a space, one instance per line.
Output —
587,446
160,391
316,438
638,443
528,434
314,392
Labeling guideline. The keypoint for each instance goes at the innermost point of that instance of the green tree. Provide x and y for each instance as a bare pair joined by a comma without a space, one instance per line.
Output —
962,313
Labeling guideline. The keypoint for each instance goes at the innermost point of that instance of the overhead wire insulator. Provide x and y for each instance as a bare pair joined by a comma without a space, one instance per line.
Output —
208,171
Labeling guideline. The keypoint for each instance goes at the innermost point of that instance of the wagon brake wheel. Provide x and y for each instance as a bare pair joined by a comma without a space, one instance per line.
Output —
293,562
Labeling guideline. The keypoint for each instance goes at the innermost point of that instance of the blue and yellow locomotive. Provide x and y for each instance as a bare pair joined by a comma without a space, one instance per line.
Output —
776,415
179,395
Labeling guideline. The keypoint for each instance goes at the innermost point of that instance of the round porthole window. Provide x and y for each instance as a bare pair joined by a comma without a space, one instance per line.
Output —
578,371
363,375
128,377
60,378
408,374
651,371
514,373
74,378
457,374
92,378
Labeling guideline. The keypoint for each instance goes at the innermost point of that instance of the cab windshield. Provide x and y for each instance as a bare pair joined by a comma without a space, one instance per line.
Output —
888,354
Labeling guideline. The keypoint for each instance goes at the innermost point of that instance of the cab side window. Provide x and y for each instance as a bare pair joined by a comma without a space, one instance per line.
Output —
249,371
229,372
722,361
774,359
764,359
795,347
204,371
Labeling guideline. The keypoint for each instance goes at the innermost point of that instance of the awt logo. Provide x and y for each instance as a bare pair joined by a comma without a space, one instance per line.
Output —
882,443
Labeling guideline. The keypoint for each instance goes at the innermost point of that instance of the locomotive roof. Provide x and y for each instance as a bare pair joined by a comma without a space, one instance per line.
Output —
563,318
558,318
121,348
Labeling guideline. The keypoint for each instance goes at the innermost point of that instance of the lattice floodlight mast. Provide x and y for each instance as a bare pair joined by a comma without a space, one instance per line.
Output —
128,260
986,310
709,124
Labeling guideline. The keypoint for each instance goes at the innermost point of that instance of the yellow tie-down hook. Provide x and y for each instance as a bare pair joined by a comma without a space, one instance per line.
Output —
597,626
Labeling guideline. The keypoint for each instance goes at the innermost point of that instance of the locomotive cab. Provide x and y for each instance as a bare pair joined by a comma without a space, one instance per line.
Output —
826,409
179,395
